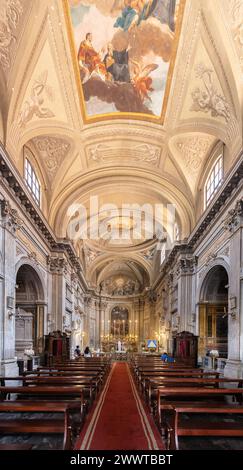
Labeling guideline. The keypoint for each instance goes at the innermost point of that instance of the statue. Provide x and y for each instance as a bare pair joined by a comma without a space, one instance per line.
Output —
119,346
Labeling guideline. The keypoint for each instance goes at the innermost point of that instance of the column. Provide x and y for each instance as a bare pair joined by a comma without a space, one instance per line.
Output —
185,270
40,320
58,268
10,223
103,306
141,322
87,306
152,298
234,224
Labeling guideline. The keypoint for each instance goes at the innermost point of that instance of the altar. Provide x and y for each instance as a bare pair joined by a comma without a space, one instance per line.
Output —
120,347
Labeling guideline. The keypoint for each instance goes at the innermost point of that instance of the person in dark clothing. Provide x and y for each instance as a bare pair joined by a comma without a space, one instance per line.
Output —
116,63
166,358
77,352
87,352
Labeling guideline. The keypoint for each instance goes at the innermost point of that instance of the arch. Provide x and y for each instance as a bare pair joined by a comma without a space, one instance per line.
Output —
112,258
30,317
214,264
212,286
37,276
213,311
157,187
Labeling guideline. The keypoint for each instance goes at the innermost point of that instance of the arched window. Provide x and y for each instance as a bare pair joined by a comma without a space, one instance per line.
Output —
32,181
214,180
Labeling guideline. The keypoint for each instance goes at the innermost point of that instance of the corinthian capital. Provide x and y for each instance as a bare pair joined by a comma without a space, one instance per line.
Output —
10,218
186,265
234,217
57,265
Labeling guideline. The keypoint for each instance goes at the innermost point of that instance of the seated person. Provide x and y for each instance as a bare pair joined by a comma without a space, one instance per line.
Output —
77,352
164,357
90,60
87,352
170,359
116,63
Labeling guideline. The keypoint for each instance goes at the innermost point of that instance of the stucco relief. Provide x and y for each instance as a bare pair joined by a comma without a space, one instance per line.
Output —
208,98
193,150
108,153
36,105
53,151
91,255
236,18
11,12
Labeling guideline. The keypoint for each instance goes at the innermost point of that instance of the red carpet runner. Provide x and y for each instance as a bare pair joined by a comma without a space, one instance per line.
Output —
119,420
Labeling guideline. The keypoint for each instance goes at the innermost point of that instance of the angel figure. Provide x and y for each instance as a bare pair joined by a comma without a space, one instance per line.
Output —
141,80
34,106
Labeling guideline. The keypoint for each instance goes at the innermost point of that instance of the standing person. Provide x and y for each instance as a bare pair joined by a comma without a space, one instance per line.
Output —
87,352
77,352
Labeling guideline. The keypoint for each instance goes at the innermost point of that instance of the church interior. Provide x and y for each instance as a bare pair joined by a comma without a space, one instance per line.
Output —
121,224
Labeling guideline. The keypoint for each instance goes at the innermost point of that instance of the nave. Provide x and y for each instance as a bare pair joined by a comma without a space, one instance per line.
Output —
142,404
120,420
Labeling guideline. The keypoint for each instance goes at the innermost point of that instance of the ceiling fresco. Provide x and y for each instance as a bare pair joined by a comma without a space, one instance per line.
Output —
124,53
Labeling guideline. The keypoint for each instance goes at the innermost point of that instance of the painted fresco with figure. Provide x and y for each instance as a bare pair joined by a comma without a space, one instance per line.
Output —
125,51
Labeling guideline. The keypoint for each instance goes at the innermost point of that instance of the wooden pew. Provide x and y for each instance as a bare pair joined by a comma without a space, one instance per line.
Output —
177,423
9,447
70,369
49,393
39,426
152,385
169,396
158,375
89,385
141,371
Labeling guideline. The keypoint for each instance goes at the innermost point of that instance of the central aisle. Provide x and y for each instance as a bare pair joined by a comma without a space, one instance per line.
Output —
119,420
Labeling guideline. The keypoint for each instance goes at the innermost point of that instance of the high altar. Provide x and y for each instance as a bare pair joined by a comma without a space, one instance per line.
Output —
119,339
122,345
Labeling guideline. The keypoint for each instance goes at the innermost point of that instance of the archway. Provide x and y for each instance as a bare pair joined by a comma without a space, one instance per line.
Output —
213,313
29,320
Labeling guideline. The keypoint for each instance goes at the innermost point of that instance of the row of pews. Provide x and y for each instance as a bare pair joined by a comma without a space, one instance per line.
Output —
187,402
51,400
